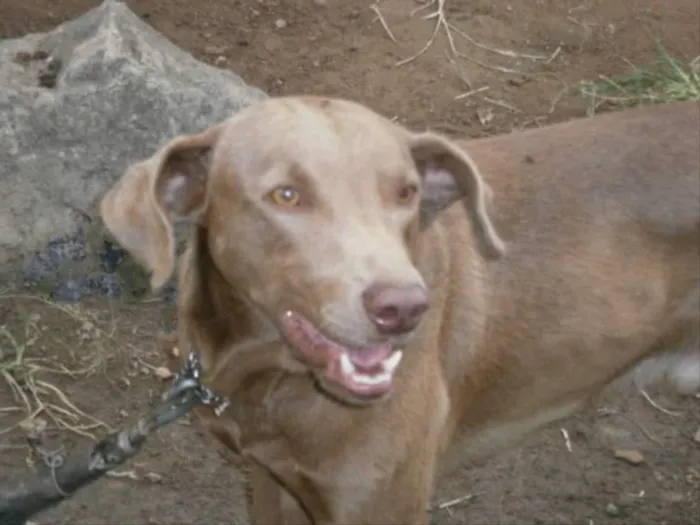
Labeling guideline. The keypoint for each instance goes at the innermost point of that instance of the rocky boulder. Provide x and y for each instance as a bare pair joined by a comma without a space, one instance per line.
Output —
78,105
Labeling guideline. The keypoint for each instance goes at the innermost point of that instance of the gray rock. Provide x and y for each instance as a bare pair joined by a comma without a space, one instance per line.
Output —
77,106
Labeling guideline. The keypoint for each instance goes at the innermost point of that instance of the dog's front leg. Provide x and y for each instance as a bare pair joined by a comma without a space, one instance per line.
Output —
299,499
269,503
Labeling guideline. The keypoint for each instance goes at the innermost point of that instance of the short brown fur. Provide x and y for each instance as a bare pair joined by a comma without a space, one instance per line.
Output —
571,261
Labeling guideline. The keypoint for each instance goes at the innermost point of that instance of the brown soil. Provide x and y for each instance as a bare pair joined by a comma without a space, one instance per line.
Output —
338,47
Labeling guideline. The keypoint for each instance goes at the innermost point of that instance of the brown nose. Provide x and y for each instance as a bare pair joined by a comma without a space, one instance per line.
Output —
395,309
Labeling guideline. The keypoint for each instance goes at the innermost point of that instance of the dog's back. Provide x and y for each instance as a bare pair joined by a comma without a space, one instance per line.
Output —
601,218
642,162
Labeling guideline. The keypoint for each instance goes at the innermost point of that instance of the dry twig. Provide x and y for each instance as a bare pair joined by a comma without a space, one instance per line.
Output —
439,14
456,501
659,407
503,52
567,440
472,93
448,28
603,411
375,9
502,104
37,396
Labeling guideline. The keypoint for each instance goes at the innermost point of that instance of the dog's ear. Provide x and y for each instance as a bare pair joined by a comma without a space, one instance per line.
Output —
449,174
139,210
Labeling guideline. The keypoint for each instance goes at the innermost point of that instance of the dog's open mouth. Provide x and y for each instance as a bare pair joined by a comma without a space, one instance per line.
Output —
364,372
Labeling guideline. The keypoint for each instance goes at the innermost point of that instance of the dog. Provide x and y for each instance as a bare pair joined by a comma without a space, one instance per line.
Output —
371,297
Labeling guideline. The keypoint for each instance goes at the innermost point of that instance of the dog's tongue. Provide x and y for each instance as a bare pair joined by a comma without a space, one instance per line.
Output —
370,358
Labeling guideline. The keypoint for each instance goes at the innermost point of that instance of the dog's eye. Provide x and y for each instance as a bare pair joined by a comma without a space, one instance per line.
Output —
285,196
407,193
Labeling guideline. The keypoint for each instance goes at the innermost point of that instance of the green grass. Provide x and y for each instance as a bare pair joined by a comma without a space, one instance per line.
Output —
667,79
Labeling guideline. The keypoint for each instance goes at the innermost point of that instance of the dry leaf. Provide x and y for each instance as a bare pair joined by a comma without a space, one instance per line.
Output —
633,457
33,427
485,115
163,372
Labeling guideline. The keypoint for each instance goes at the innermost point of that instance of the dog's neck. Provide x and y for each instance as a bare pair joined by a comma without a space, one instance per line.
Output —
213,314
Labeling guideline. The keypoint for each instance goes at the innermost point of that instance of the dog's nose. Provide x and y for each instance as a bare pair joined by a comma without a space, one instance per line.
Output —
395,309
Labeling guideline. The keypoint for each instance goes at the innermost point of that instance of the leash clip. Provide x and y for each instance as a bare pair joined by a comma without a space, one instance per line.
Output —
187,392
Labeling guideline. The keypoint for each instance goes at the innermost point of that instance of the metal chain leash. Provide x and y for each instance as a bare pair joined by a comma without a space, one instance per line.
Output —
65,475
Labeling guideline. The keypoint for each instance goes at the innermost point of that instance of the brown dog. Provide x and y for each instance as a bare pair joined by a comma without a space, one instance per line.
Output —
362,319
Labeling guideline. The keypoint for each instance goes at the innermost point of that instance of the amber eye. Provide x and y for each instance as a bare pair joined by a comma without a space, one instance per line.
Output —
285,196
407,193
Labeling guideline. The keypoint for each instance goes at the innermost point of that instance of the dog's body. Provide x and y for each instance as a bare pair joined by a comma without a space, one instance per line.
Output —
602,221
600,279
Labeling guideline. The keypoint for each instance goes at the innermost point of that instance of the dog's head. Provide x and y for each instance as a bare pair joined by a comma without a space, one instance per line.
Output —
312,208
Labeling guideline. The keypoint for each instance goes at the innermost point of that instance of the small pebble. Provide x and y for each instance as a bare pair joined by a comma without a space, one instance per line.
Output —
280,23
612,510
153,477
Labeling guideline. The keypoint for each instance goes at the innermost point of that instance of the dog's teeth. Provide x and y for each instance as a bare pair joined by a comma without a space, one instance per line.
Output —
346,365
363,379
391,362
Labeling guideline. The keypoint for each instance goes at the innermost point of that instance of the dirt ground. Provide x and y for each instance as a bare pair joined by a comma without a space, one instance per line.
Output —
515,60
